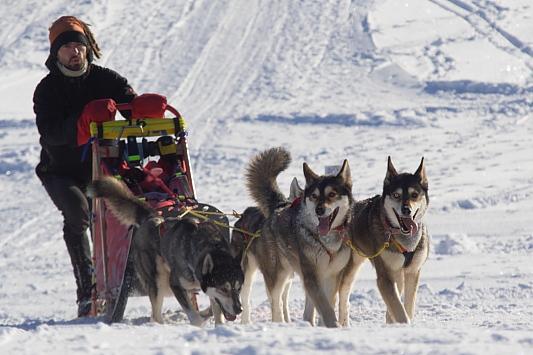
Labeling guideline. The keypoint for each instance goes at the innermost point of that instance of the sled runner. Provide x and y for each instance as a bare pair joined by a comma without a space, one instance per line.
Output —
150,156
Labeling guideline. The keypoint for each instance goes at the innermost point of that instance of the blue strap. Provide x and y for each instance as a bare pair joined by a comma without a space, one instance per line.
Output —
86,148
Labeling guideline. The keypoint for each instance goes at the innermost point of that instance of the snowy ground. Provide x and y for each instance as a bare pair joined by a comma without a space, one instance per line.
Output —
448,80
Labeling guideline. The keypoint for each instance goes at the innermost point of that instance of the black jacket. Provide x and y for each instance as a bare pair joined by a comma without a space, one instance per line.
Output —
58,102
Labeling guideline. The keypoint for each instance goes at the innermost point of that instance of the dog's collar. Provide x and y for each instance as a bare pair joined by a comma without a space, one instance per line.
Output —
295,202
389,229
389,233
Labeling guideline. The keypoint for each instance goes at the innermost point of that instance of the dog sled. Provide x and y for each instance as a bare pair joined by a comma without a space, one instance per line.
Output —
150,155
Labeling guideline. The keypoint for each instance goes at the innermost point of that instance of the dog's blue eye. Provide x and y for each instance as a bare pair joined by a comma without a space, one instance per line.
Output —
396,195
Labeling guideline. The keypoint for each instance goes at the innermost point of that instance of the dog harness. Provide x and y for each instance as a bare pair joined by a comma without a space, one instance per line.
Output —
389,232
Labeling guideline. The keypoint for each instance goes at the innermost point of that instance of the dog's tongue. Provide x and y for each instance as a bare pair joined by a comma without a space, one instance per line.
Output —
230,317
323,226
411,225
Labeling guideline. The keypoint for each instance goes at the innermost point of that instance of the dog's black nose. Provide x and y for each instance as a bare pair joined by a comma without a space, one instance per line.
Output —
320,210
406,211
237,309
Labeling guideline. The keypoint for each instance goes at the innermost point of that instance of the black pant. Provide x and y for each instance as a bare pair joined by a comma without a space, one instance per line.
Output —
68,196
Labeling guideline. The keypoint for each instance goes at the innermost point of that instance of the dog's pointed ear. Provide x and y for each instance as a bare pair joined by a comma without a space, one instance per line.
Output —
208,265
421,174
309,175
391,172
295,190
345,173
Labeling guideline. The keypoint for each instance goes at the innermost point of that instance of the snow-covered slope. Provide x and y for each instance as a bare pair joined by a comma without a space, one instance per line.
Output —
330,80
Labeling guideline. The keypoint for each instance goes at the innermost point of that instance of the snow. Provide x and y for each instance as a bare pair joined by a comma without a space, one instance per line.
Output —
329,80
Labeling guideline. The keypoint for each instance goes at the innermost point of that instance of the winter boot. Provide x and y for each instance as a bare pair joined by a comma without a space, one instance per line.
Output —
81,262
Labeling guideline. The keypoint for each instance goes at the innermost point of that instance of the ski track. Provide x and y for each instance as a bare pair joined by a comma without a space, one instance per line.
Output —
479,18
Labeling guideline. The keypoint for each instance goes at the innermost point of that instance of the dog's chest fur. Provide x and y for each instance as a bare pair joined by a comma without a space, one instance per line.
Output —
299,236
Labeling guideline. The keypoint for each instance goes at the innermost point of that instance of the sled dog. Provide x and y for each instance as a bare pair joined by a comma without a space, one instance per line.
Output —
176,256
254,251
303,236
390,230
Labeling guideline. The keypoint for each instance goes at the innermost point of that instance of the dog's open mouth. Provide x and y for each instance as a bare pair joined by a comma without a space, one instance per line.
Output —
229,317
324,223
408,226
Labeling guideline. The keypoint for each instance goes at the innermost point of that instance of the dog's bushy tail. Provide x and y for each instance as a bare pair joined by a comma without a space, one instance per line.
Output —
127,208
261,177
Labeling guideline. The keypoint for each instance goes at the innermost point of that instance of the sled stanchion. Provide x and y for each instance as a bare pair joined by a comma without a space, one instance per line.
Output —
99,234
187,159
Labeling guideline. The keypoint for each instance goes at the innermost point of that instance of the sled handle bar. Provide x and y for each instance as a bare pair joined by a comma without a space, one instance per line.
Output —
129,106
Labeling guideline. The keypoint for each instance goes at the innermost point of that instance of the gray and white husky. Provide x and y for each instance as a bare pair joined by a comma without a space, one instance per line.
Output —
245,241
390,230
176,256
305,236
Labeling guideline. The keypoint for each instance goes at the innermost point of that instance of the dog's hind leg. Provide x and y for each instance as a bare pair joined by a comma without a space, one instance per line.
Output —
156,300
276,301
278,281
277,291
285,300
156,288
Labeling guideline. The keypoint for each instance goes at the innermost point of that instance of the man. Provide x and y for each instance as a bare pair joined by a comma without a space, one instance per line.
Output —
73,94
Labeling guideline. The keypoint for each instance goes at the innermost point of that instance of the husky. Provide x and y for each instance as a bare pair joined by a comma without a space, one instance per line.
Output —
243,240
176,256
305,236
390,230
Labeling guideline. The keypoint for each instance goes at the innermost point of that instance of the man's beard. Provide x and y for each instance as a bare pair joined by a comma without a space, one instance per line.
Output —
75,66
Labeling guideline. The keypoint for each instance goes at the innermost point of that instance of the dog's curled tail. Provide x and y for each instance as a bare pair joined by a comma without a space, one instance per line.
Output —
127,208
261,177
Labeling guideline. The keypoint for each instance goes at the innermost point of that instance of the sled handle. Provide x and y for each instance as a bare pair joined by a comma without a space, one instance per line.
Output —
129,106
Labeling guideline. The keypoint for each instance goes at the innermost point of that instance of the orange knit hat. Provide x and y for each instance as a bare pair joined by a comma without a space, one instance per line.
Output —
66,24
70,29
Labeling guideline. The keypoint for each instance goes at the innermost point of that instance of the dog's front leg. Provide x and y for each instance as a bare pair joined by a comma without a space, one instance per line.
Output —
250,271
412,280
314,289
309,311
217,312
389,292
348,277
184,298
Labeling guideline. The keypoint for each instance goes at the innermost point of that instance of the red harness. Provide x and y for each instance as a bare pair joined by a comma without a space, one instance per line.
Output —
389,232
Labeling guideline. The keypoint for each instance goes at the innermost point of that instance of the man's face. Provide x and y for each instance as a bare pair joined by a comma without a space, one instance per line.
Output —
72,55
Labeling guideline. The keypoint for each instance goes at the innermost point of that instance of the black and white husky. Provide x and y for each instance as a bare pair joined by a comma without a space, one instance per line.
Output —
390,230
176,256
